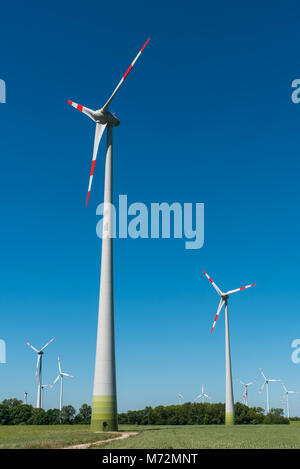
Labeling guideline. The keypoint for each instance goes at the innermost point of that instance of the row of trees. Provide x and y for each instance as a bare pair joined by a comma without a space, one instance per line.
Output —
14,412
201,414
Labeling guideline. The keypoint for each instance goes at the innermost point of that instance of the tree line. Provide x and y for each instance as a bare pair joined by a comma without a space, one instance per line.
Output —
15,412
201,414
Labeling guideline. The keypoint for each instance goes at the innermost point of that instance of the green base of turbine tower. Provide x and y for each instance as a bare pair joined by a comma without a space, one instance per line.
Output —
104,413
229,418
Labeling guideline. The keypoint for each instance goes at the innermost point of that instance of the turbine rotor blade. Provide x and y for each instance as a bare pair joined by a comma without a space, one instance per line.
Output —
239,289
240,381
98,134
59,367
222,302
88,112
67,374
261,389
47,344
33,348
251,382
213,284
262,373
106,105
55,381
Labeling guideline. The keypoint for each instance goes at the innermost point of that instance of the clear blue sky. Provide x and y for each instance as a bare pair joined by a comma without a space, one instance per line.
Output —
206,116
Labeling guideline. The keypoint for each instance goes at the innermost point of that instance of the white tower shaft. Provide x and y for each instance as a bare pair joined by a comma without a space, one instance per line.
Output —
229,409
104,414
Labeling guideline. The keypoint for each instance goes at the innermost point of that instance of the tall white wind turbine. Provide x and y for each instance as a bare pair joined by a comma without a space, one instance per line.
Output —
60,376
286,392
266,383
245,389
104,413
229,408
38,370
202,395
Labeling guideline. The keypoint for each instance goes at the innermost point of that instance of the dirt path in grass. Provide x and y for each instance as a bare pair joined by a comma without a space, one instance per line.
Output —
87,445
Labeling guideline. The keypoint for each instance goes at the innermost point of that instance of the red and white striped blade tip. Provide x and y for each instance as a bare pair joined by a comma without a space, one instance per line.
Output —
87,199
77,106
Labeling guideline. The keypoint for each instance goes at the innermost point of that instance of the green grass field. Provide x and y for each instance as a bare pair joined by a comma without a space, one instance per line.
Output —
48,436
154,437
210,436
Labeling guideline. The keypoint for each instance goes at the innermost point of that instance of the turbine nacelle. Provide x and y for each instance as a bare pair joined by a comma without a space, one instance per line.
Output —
106,118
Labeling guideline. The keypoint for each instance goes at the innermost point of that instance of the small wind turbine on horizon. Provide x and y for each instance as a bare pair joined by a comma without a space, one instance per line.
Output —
245,387
229,408
25,397
60,376
43,386
180,398
266,383
202,395
286,395
38,370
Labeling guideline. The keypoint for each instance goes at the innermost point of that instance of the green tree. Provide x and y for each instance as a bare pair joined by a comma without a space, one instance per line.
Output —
38,417
84,415
11,402
20,414
4,415
67,414
53,416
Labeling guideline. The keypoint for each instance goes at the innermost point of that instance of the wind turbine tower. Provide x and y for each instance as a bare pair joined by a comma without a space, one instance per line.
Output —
229,407
104,411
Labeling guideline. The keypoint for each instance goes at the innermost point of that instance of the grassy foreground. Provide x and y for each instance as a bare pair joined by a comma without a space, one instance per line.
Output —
47,436
154,437
209,436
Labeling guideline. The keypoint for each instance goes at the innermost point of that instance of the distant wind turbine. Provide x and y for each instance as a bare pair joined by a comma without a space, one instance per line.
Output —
286,392
266,383
202,395
38,370
245,388
229,408
60,376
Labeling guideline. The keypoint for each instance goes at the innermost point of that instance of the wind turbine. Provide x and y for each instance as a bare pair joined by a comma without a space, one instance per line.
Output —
202,395
286,392
104,412
245,386
61,376
25,397
180,398
43,386
38,370
266,383
229,409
